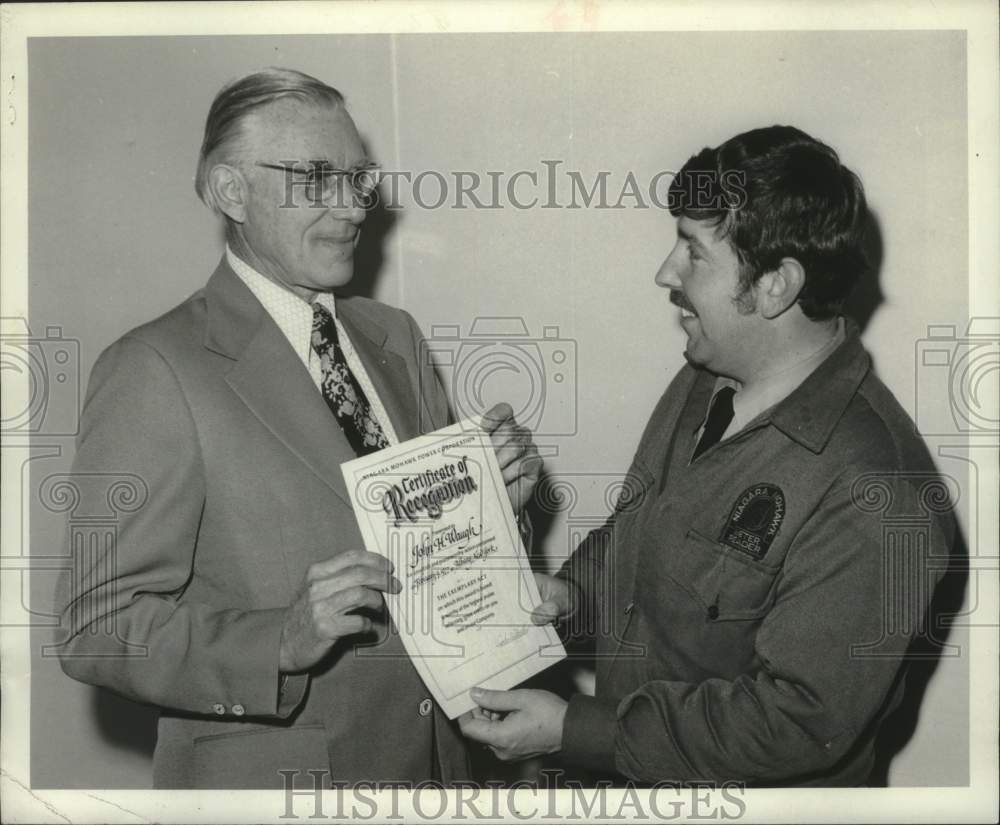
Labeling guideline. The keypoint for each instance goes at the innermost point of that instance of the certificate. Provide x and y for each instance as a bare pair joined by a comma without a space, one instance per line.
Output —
436,506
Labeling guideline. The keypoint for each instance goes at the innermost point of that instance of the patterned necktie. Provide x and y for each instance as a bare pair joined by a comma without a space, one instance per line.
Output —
720,414
341,390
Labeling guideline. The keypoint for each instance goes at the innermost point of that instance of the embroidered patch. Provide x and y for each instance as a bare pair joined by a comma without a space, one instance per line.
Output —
755,520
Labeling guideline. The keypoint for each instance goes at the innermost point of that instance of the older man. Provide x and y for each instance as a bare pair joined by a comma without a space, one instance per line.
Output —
744,583
262,622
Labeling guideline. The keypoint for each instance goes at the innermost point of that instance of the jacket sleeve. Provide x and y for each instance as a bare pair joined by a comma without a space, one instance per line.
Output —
584,573
816,687
130,630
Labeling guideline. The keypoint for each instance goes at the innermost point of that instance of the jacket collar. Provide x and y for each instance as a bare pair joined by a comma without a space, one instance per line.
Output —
270,379
235,315
811,412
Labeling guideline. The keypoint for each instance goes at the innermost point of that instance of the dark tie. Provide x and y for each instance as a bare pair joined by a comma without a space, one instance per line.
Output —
719,416
341,390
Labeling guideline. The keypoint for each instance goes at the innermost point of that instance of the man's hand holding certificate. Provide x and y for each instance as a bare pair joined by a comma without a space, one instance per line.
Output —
439,508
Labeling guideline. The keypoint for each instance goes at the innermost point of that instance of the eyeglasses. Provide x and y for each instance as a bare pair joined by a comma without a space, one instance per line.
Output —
321,180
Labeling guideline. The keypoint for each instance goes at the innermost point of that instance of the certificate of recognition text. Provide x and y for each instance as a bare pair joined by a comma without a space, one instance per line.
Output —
436,506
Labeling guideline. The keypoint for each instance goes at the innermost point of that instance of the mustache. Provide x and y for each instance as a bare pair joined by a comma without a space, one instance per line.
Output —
677,298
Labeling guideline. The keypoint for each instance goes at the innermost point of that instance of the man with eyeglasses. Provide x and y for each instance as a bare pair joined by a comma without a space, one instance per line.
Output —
242,580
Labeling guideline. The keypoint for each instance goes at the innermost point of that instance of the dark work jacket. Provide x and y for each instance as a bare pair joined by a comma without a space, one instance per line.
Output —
752,608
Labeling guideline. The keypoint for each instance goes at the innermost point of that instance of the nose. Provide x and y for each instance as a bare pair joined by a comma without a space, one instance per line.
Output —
354,213
668,275
347,207
345,203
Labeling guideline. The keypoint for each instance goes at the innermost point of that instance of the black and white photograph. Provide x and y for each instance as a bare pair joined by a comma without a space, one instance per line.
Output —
520,412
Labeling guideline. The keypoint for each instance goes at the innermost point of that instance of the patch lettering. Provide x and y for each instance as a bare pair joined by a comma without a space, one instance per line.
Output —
755,520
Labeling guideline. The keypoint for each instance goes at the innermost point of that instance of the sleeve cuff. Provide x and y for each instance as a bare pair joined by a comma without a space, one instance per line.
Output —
291,692
257,678
589,733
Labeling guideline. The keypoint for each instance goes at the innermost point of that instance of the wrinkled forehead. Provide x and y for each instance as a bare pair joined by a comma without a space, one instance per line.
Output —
289,129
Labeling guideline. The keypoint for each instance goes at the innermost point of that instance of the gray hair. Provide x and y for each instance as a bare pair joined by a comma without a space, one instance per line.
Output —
238,99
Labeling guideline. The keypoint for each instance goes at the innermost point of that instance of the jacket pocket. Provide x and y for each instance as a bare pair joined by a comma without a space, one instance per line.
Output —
254,759
729,586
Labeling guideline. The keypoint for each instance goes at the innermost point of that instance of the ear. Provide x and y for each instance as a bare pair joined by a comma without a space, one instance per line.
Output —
229,190
779,289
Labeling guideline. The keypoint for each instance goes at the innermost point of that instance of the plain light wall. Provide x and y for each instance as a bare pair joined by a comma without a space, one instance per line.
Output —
117,236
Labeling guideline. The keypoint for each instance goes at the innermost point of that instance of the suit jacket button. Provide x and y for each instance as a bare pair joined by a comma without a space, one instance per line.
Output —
713,612
239,710
425,707
219,708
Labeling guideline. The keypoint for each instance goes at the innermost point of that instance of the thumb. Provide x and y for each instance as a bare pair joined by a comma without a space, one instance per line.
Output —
546,612
496,415
505,700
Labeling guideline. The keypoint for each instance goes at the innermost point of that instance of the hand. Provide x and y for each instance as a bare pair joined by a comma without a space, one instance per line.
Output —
555,605
532,725
517,454
323,611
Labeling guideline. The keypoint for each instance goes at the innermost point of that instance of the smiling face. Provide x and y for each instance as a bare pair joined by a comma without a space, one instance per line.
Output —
282,234
702,274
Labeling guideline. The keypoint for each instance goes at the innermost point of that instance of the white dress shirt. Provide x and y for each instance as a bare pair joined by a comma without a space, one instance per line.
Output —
294,317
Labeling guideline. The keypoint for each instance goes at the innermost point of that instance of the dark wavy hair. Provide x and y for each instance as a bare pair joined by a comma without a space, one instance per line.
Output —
776,192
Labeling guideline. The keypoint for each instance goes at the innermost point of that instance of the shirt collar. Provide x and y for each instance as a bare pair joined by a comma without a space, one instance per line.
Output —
810,414
749,402
292,314
806,401
250,275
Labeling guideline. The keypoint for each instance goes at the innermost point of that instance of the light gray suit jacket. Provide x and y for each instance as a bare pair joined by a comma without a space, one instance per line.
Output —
209,407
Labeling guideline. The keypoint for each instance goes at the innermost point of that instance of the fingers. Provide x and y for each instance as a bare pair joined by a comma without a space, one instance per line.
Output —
484,715
324,610
325,569
355,576
527,467
511,442
332,618
546,613
476,728
348,625
354,598
505,700
496,415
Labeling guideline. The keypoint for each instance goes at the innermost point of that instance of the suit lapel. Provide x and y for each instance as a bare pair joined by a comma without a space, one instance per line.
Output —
271,380
277,388
386,369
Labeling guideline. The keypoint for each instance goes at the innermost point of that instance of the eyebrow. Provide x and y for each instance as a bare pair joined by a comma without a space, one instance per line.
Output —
691,239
